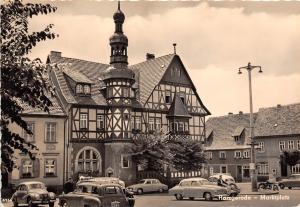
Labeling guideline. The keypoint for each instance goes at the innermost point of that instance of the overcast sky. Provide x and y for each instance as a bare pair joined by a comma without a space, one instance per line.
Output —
213,40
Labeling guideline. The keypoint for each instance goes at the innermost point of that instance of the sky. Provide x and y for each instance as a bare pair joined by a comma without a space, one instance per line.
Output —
213,40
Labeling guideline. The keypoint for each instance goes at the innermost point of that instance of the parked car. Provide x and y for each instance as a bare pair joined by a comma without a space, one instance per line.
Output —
33,193
102,180
198,188
234,189
291,182
93,194
148,185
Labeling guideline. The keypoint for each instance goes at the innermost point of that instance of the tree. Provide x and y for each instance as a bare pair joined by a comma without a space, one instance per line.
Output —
151,152
187,154
23,81
291,157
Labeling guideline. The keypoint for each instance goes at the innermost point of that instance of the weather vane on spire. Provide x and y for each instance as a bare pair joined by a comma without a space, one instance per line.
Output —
174,45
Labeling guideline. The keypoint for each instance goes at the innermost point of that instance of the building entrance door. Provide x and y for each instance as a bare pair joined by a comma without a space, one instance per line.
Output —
239,173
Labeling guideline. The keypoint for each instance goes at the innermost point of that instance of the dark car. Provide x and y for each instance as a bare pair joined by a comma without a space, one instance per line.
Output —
33,193
92,194
292,181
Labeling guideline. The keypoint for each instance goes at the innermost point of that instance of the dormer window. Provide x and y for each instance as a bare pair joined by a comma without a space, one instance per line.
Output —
83,89
87,89
79,89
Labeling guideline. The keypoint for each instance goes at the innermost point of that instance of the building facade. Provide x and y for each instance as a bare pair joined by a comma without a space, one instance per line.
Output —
48,135
227,148
110,105
277,129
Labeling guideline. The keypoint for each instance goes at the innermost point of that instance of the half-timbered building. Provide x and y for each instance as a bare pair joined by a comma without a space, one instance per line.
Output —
109,105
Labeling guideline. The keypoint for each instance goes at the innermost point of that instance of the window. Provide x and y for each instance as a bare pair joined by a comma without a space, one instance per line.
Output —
158,124
298,144
125,161
261,147
182,97
291,144
125,92
296,169
223,169
87,89
211,171
209,155
79,89
222,155
174,126
247,154
88,161
263,168
246,171
27,169
50,167
151,124
100,121
237,154
168,97
138,124
83,121
281,145
29,137
180,126
50,132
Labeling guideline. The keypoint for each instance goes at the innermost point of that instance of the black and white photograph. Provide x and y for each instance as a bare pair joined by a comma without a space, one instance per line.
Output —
146,103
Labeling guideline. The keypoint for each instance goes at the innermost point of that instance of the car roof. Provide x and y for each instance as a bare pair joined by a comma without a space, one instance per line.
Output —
98,184
223,175
193,179
31,182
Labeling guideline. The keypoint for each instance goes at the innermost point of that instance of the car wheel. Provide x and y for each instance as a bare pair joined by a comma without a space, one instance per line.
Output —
178,197
261,186
289,187
191,198
161,190
51,204
281,186
140,191
15,202
275,188
207,196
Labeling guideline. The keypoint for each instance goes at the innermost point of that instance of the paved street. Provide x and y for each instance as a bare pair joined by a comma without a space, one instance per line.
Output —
286,198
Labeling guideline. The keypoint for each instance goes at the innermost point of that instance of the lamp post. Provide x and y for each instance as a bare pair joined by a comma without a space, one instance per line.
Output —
253,175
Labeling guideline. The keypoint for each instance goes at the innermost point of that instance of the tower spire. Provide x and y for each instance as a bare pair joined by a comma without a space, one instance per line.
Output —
119,5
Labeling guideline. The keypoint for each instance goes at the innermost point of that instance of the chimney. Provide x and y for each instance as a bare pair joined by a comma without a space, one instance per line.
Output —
150,56
240,112
278,105
55,53
230,113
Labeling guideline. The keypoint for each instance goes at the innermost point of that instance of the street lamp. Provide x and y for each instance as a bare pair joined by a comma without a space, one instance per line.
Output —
253,176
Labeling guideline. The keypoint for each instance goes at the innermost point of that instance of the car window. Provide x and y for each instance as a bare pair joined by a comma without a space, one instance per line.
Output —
95,190
213,179
292,177
112,190
205,182
142,181
297,176
148,182
185,183
196,183
36,186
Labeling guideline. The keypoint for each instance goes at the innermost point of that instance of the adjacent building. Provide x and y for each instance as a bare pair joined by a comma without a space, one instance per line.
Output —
276,129
109,105
227,149
48,136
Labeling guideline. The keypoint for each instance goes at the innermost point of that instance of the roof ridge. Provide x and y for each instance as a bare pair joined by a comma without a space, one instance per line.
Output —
83,60
156,58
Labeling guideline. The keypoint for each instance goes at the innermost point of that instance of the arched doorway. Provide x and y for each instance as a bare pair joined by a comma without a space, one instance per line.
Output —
88,161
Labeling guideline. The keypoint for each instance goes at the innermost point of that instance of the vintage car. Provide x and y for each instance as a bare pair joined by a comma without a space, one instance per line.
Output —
102,180
148,185
93,194
235,190
291,182
33,193
198,188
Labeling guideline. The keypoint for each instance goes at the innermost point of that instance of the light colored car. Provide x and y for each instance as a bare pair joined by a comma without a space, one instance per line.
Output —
148,185
33,193
93,194
198,188
291,182
235,190
102,180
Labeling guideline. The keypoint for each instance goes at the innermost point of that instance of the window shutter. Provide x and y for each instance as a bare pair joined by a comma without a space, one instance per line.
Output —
36,168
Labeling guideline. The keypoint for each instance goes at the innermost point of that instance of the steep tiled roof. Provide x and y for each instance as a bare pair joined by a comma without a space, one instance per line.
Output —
178,109
238,131
224,127
149,73
279,120
84,71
